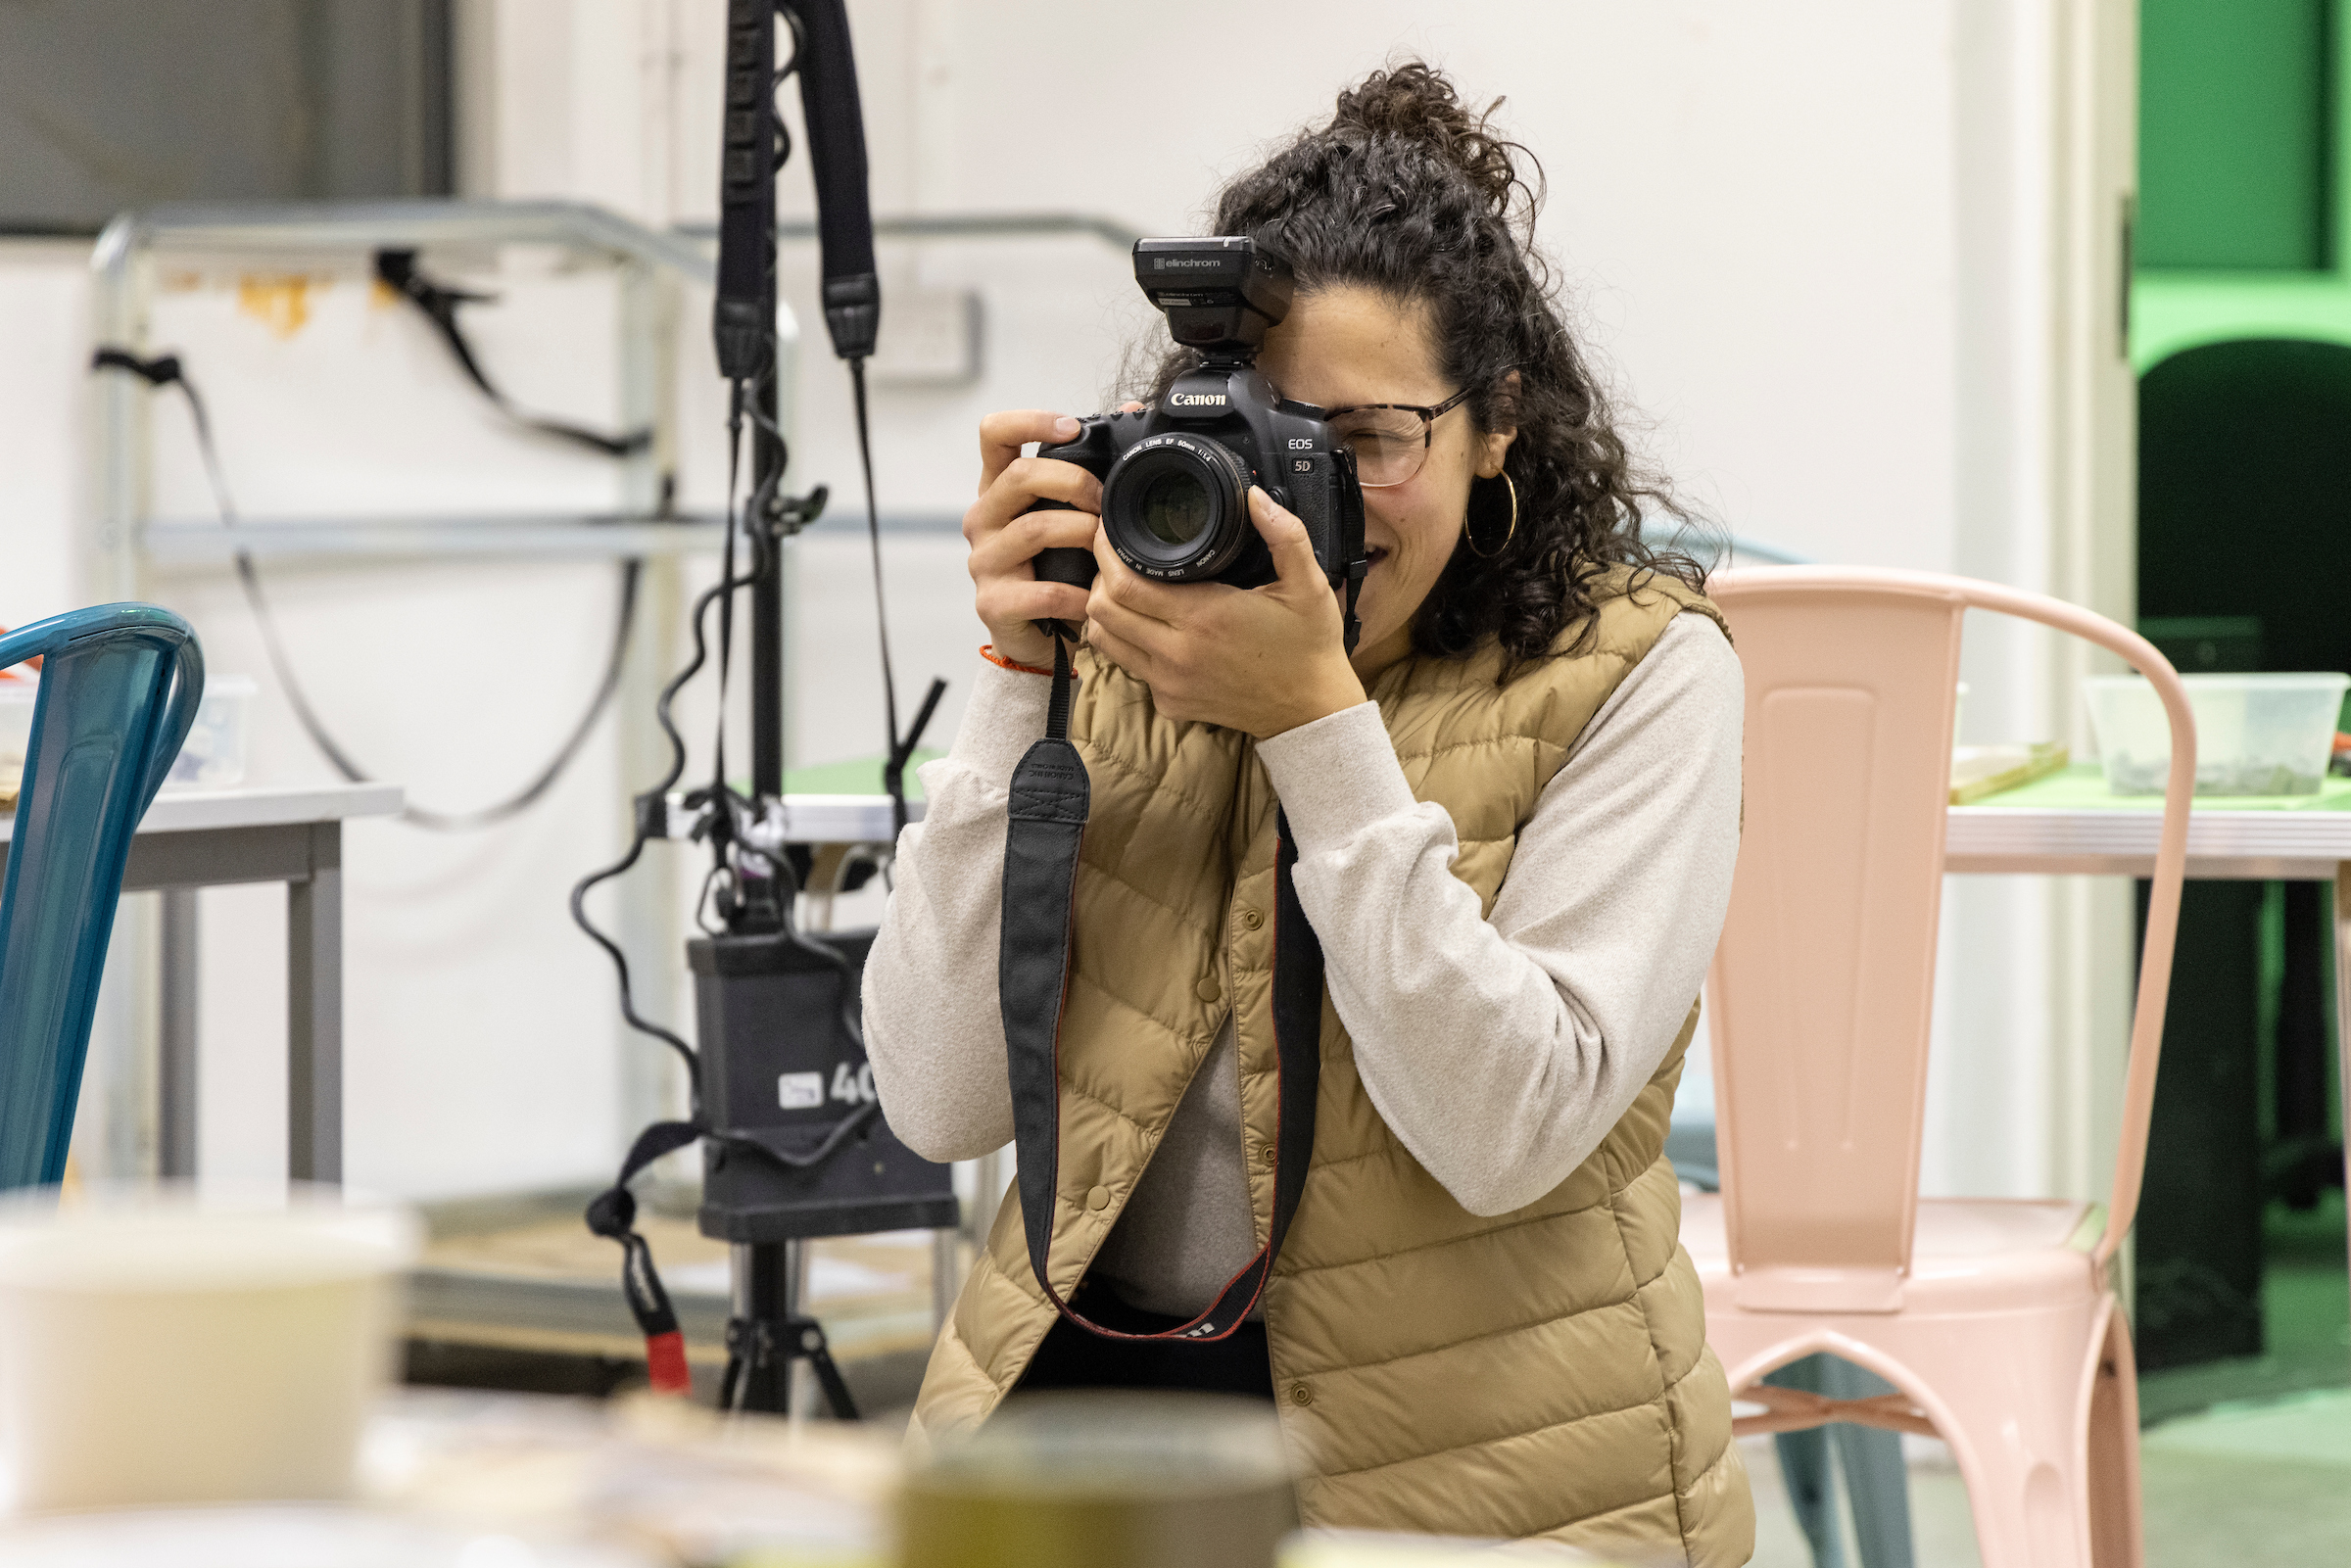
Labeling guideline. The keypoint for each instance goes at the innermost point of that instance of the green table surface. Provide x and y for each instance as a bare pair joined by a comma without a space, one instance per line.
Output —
861,775
2082,788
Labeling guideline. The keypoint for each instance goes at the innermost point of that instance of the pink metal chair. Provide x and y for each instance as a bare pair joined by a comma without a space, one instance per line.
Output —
1995,1319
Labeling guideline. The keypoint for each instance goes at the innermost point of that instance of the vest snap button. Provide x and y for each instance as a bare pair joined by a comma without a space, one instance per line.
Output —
1300,1395
1266,1157
1098,1198
1208,990
1251,920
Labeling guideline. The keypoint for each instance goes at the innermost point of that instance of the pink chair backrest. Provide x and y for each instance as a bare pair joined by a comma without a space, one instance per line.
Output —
1822,989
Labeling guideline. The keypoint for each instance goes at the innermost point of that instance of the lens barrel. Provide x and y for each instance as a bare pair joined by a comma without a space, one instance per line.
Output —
1173,509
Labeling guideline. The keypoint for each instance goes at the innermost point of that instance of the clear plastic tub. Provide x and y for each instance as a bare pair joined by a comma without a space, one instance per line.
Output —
2256,735
16,732
213,757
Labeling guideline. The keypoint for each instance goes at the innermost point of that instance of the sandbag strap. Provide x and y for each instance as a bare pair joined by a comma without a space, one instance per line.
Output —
1051,797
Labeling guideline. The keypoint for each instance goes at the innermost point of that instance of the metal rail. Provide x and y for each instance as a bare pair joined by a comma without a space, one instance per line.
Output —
123,544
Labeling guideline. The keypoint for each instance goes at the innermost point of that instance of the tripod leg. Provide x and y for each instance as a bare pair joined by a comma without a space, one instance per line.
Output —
761,1370
806,1339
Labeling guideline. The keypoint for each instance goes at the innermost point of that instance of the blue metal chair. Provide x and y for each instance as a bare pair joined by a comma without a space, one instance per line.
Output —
120,687
1876,1479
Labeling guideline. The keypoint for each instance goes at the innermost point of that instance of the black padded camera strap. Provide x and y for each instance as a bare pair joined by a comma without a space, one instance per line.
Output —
1050,800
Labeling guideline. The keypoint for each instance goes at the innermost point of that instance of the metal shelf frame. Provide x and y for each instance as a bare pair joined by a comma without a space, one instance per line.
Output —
125,548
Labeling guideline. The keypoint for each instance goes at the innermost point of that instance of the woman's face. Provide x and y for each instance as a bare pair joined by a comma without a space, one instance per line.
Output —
1350,345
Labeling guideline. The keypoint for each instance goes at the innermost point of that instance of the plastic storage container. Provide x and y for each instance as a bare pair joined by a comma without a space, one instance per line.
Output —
16,732
2256,735
213,757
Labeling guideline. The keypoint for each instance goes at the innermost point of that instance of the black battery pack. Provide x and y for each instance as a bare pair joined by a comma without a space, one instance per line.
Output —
779,1070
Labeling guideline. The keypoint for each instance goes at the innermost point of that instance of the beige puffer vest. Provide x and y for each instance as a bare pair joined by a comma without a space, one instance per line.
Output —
1540,1373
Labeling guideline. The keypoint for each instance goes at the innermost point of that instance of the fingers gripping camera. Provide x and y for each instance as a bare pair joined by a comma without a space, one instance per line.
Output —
1176,478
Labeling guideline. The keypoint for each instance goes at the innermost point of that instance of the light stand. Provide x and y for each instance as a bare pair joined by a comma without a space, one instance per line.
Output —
795,1146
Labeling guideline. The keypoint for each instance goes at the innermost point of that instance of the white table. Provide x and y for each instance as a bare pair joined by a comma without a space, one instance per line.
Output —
2222,846
212,838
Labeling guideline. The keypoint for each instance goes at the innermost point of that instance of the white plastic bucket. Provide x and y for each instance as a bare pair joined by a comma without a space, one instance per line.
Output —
175,1348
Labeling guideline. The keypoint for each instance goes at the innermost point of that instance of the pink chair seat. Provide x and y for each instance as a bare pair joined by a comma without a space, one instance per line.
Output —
1967,1253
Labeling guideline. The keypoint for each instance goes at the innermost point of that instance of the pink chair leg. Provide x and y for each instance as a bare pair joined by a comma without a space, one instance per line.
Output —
2019,1435
2115,1538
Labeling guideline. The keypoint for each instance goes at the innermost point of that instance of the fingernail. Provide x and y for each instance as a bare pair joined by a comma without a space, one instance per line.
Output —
1065,428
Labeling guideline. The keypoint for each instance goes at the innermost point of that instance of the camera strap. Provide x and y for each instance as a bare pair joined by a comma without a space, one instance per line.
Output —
1051,797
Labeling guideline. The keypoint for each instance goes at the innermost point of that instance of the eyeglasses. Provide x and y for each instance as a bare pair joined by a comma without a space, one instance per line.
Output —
1390,440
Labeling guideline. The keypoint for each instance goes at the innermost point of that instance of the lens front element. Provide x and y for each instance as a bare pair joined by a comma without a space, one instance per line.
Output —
1174,507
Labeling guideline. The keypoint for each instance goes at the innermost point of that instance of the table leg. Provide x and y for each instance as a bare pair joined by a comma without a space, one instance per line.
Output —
175,1118
946,1274
2342,1005
314,1024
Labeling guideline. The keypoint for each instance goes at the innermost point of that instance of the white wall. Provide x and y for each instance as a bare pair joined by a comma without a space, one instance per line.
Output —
1809,242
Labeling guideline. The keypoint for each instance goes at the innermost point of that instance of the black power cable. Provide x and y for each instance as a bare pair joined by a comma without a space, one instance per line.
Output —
167,370
397,271
652,806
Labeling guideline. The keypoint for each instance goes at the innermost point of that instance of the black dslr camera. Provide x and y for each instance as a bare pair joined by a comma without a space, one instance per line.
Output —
1176,478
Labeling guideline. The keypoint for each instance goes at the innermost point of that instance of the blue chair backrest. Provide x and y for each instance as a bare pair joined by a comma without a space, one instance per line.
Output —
120,687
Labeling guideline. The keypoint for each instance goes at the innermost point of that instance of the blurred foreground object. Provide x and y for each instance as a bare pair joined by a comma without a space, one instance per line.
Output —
161,1347
281,1536
1105,1481
679,1482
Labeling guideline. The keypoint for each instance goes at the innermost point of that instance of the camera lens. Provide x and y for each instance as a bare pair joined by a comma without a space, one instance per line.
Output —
1176,507
1173,506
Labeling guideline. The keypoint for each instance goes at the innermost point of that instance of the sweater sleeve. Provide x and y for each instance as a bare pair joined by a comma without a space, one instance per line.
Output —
933,1029
1502,1051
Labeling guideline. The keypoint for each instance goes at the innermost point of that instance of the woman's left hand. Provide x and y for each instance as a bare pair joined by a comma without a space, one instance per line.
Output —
1261,660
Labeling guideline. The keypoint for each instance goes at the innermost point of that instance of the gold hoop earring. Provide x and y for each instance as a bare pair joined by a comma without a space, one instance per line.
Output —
1468,525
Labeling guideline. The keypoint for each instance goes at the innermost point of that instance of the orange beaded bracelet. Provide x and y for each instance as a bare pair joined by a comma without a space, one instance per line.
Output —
987,652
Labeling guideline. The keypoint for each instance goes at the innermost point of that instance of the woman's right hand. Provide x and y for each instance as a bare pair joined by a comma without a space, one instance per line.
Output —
1005,530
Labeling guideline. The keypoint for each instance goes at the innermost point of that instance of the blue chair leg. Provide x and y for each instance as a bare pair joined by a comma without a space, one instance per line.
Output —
1875,1476
1804,1468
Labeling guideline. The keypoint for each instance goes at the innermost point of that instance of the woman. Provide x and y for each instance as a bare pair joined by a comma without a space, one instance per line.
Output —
1515,812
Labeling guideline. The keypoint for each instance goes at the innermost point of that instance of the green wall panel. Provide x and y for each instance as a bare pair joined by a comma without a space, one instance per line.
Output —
2235,134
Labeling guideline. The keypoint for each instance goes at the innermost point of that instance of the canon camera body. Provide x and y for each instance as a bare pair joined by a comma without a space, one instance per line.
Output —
1176,478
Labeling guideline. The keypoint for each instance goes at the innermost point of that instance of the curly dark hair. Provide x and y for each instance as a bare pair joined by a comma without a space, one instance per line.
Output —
1406,192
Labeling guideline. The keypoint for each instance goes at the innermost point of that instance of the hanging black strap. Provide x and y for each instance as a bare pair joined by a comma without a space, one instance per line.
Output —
1050,800
612,1213
397,271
